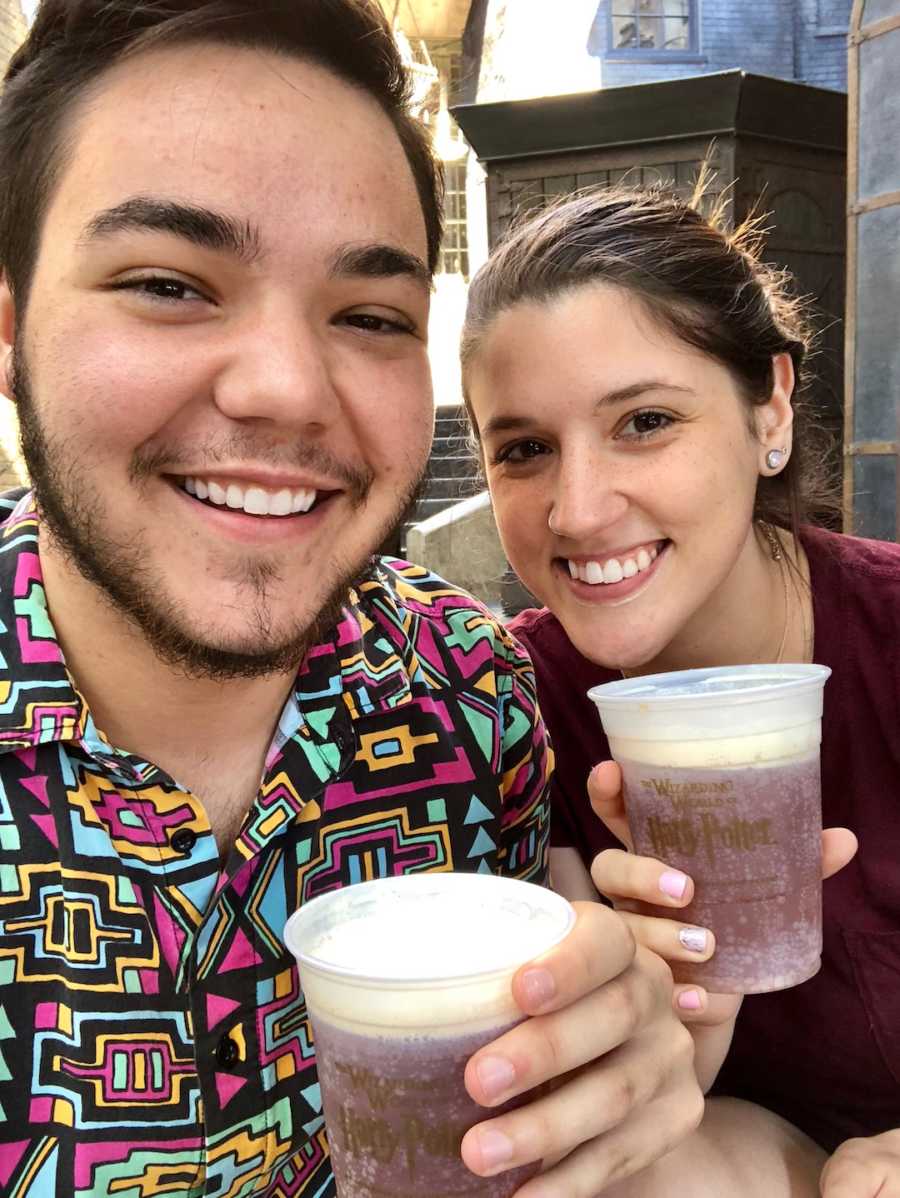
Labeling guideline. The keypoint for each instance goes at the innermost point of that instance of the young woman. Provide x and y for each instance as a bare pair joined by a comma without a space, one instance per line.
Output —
634,375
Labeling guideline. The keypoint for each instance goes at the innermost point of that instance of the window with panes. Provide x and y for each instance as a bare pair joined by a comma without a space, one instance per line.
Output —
653,26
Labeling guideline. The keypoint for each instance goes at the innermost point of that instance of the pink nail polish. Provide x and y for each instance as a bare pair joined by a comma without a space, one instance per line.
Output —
689,1000
673,883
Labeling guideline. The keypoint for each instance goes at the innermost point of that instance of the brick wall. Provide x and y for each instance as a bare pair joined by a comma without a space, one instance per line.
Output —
821,42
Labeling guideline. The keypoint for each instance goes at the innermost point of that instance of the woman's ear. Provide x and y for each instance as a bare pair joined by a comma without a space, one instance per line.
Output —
775,418
7,338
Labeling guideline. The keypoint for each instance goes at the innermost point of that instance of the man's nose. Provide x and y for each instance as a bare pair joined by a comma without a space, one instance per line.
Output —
586,498
279,371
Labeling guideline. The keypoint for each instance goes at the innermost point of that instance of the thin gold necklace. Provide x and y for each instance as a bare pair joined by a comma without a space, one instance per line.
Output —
778,557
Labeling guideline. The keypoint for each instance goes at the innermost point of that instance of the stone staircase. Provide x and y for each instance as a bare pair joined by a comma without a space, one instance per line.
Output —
453,471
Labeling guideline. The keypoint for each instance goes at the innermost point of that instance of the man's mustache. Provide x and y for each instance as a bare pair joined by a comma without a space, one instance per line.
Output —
205,457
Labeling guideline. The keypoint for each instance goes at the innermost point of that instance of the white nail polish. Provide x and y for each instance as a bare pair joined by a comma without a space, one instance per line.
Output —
693,939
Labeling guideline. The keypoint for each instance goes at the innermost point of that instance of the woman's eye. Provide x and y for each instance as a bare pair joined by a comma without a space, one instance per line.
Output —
371,322
521,451
645,424
168,290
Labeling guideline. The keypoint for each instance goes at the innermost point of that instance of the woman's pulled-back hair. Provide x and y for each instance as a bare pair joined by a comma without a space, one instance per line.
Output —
73,42
706,285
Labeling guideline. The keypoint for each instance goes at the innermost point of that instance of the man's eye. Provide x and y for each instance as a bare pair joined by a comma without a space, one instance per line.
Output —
158,287
371,322
644,424
520,451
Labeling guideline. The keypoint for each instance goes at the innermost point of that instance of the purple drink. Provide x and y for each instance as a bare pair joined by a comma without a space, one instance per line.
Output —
405,978
750,838
721,778
396,1111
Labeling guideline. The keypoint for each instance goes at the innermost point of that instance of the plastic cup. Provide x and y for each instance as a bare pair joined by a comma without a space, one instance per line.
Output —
721,780
404,978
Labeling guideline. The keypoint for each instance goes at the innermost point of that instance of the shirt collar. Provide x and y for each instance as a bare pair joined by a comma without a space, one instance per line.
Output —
38,703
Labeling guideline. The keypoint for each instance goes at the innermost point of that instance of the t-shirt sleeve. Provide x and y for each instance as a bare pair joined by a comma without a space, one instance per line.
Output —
526,768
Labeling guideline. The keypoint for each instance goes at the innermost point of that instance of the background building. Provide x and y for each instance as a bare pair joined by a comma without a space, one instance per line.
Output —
635,41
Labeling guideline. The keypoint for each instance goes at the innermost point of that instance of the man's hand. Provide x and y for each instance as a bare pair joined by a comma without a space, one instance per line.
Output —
864,1168
614,1061
625,878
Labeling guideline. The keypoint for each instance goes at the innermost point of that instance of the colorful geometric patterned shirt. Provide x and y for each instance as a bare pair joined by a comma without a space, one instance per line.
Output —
153,1038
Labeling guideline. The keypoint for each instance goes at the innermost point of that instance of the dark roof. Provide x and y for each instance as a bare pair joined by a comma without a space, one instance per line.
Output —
728,102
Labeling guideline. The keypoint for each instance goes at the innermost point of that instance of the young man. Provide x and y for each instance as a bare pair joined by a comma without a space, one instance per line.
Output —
218,227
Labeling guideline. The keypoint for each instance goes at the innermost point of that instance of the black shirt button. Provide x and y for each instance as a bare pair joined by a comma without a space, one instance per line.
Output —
343,739
183,840
228,1054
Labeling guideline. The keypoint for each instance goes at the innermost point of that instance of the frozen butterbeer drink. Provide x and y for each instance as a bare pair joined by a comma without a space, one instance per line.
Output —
721,780
404,979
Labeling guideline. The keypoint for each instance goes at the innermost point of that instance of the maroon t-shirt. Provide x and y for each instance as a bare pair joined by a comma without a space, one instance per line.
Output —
826,1054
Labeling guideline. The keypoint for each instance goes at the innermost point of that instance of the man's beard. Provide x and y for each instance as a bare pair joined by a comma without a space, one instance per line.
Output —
73,515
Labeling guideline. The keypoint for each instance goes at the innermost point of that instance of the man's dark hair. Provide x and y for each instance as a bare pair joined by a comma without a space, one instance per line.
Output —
73,42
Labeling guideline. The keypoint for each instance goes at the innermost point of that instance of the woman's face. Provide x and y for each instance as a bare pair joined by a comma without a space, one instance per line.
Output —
622,465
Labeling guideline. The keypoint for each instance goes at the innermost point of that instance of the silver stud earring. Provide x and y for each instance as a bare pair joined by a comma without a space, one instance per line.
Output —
775,458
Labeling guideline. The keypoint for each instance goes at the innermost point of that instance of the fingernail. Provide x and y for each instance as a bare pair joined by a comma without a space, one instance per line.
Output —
495,1075
496,1148
673,883
689,1000
539,986
694,939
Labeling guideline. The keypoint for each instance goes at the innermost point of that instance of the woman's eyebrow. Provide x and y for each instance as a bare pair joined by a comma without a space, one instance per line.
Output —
503,423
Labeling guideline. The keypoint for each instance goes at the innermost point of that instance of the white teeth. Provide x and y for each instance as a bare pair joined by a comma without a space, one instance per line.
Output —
303,501
612,571
255,501
280,503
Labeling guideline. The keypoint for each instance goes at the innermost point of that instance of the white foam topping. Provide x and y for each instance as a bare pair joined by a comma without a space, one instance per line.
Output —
761,748
430,953
432,929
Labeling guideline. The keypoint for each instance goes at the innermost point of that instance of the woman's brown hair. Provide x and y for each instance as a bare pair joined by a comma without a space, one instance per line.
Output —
707,285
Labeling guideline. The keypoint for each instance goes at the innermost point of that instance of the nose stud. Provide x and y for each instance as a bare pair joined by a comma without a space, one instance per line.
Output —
775,458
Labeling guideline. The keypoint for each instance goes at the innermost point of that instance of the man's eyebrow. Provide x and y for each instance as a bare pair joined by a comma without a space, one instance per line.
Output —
378,261
511,424
201,226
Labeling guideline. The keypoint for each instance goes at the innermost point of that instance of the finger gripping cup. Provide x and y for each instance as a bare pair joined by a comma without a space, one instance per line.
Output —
721,779
404,979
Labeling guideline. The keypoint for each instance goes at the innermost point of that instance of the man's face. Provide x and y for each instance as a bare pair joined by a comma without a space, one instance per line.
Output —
222,369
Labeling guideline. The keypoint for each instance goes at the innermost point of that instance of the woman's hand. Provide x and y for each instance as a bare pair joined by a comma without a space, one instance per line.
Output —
864,1168
614,1063
625,878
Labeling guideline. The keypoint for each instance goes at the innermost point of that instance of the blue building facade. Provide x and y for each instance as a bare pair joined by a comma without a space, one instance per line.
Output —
639,41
